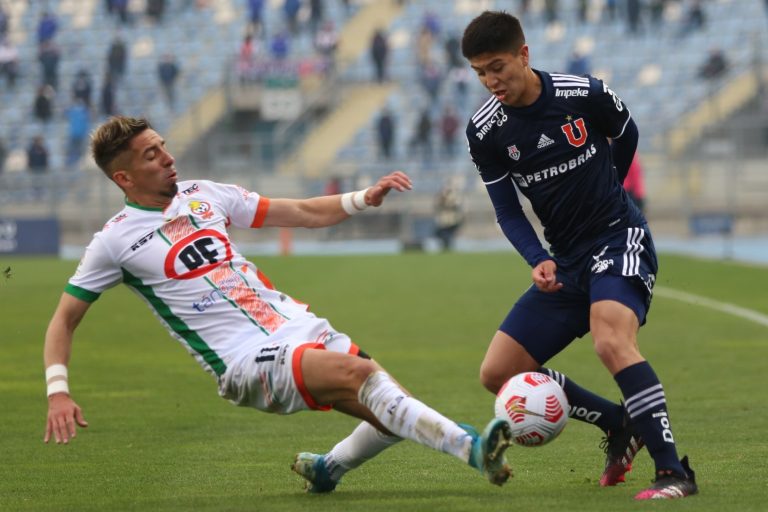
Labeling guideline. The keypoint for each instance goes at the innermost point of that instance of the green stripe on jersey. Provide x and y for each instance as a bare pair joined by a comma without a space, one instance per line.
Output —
81,293
177,324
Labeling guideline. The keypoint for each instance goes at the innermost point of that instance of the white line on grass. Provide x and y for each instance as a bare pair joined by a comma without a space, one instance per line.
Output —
723,307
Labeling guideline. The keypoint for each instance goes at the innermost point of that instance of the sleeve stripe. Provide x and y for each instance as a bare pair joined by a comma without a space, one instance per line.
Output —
486,183
629,116
81,293
261,212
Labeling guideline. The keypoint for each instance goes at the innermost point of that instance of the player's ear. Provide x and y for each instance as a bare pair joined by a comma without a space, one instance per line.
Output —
524,54
122,178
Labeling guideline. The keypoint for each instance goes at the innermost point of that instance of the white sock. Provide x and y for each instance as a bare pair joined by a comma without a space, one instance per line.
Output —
364,443
409,418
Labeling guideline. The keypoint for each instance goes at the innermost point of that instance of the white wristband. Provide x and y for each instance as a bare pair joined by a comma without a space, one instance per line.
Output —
56,370
354,202
56,378
59,386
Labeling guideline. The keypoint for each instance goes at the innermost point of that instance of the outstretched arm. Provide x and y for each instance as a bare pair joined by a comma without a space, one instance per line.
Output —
63,412
318,212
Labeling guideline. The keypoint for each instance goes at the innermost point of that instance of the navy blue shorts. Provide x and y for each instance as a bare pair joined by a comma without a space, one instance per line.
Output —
620,267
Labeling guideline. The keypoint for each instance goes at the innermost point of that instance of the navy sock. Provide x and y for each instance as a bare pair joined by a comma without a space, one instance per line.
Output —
587,406
647,408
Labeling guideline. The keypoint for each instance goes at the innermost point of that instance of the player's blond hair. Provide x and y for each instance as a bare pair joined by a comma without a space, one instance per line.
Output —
112,138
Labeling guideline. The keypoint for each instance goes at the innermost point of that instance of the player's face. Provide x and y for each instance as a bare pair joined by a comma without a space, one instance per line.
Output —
506,75
152,170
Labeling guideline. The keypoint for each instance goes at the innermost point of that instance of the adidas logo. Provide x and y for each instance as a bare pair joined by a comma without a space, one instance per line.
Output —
544,141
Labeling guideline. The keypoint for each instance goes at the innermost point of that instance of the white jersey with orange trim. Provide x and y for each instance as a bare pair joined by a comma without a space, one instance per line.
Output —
181,261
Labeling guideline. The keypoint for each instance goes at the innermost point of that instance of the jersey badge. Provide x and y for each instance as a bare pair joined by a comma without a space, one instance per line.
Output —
514,153
117,219
201,208
577,125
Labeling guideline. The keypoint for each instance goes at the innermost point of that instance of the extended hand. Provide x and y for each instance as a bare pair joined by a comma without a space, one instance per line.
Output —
63,412
545,277
397,180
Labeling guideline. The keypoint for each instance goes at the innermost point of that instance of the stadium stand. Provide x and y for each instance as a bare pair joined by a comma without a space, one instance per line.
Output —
333,133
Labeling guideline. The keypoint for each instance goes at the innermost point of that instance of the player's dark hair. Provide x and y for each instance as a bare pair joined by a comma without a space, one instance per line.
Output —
492,32
112,138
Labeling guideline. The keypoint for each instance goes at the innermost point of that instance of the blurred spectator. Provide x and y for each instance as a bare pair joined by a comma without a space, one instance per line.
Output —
385,130
714,66
431,23
431,80
120,8
421,139
694,18
43,108
245,58
332,186
82,87
380,55
634,183
5,22
578,64
117,58
37,156
523,7
47,27
78,122
107,100
256,16
424,46
9,62
582,11
609,10
551,8
3,155
155,10
49,57
449,215
633,16
326,44
291,10
453,51
459,79
315,15
168,73
449,129
656,11
279,46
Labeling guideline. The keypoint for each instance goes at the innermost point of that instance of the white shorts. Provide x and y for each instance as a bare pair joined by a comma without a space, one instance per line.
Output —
268,377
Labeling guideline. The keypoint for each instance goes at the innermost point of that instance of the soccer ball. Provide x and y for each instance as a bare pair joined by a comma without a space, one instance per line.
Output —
535,407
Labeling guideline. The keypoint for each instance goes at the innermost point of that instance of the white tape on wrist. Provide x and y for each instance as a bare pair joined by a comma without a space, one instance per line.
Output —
56,370
354,202
59,386
56,377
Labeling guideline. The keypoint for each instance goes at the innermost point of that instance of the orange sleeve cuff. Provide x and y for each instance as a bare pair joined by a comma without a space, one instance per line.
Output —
261,212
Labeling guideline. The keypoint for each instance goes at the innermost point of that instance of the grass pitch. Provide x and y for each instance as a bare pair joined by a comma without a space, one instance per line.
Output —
161,439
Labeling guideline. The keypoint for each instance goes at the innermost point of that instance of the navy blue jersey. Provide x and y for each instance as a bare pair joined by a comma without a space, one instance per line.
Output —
556,151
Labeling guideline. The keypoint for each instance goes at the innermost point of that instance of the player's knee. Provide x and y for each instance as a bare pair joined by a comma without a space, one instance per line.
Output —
493,377
615,350
356,370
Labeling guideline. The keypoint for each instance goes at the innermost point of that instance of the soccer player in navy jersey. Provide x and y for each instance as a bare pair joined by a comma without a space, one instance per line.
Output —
566,142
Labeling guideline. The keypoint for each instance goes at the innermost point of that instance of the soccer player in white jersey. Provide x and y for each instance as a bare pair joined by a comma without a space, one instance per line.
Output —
170,245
